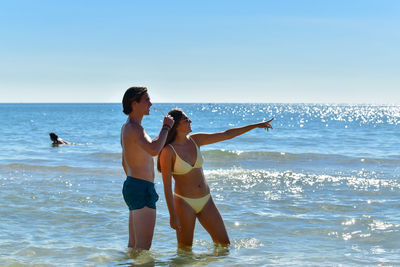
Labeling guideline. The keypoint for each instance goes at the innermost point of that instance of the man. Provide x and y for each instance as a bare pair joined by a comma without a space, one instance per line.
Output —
138,151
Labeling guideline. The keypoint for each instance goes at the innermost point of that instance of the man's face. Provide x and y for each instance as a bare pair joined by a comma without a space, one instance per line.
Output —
144,104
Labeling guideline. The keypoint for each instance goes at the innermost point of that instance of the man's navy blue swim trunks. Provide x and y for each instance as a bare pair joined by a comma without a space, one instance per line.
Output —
139,193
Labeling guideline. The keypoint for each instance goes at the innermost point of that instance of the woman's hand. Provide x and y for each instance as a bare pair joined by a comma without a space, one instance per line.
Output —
175,223
265,124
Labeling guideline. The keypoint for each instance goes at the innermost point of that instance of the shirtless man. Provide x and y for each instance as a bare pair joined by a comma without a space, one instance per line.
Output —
138,151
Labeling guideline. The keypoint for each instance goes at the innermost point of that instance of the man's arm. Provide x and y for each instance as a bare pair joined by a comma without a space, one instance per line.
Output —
152,147
123,157
124,164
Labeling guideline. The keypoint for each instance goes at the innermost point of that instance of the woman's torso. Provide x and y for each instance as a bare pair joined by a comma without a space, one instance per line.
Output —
192,183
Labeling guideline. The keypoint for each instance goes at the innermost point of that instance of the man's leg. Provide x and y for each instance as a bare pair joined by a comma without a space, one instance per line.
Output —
143,223
131,243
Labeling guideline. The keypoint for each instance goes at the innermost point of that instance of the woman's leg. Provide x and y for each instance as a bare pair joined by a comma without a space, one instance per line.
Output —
187,218
211,220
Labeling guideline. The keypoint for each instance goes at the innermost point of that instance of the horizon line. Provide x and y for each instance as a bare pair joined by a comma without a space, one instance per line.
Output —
323,103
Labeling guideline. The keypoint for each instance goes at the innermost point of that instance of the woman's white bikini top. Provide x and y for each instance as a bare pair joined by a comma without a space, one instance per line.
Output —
182,167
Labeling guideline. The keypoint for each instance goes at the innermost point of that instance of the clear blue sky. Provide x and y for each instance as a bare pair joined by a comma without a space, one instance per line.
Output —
201,51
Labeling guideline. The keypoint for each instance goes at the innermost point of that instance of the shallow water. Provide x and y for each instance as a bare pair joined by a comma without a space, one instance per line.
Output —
321,189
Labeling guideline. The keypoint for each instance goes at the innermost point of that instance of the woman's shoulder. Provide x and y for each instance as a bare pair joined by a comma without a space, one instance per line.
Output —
167,150
195,137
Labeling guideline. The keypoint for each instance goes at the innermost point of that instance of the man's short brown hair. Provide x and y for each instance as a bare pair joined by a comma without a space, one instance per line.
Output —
132,94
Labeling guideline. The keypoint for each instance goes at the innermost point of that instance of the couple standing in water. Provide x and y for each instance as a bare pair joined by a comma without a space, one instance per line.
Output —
179,157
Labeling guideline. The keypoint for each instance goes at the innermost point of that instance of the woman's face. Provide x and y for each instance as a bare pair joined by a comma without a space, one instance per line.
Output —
184,125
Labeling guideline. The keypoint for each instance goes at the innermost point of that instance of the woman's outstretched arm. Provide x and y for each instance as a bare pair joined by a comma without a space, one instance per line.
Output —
202,139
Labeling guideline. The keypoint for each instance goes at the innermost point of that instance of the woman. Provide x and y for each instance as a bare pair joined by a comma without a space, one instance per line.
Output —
182,159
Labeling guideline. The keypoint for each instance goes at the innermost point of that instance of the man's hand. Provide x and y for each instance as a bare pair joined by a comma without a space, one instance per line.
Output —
169,121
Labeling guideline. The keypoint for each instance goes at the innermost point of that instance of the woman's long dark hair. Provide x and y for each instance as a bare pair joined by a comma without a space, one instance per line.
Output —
177,115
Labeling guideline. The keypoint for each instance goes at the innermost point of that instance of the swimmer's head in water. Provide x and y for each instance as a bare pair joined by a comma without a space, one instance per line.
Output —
132,94
53,137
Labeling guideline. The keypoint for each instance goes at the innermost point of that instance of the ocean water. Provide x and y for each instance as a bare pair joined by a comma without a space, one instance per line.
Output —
321,189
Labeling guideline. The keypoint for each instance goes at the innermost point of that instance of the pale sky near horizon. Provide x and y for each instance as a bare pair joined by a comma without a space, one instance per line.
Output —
201,51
